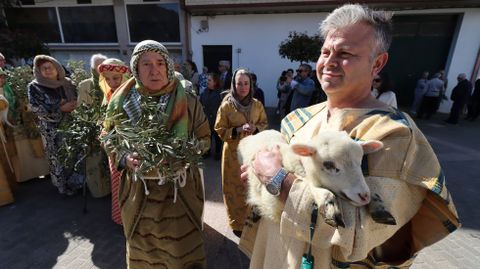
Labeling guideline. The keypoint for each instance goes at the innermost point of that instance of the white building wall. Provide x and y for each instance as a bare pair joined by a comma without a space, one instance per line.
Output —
258,37
465,53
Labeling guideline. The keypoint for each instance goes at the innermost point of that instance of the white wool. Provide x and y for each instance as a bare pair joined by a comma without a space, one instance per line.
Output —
330,160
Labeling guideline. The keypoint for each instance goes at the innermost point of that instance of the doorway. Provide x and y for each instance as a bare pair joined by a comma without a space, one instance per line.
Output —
212,54
420,43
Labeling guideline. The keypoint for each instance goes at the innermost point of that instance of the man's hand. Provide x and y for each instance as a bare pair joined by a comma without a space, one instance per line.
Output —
133,161
267,163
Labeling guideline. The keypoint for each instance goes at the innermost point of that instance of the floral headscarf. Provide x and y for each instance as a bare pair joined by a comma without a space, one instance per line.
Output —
115,66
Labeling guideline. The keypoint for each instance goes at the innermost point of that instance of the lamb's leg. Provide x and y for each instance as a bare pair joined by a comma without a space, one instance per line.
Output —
379,213
328,206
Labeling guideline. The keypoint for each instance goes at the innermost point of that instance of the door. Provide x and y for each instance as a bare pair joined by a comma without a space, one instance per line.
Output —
420,43
212,54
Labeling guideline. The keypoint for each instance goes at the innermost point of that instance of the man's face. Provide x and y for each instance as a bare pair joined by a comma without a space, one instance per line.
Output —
2,80
152,70
2,62
345,67
221,68
303,72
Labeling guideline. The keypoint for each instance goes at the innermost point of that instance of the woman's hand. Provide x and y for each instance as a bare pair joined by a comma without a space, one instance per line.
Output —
132,161
68,106
248,128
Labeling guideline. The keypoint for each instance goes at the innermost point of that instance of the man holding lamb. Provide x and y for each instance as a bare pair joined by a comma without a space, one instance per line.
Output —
405,172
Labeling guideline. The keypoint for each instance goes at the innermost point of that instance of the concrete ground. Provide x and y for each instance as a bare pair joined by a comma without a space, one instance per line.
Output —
45,230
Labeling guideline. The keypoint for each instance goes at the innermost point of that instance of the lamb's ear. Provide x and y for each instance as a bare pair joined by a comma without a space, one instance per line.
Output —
371,146
303,149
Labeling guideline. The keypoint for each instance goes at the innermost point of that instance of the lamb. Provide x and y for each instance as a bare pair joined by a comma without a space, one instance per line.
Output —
330,160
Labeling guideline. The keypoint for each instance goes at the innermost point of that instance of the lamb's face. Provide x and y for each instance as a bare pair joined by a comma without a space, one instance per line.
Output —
334,162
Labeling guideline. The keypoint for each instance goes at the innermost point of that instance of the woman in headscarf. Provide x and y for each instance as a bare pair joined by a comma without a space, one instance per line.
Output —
239,115
113,73
52,97
163,226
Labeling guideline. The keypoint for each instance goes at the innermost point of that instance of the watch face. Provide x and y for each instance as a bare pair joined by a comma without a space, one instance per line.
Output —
272,189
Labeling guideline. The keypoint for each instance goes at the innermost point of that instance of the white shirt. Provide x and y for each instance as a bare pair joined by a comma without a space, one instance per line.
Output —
388,98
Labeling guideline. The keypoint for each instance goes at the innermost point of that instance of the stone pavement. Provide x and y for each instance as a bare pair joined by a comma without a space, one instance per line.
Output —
45,230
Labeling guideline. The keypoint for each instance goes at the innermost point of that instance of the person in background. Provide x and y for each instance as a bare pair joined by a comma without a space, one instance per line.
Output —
257,92
432,97
202,80
354,51
459,96
239,115
382,89
163,226
192,75
211,98
3,61
52,97
420,90
89,87
113,73
474,107
225,74
304,89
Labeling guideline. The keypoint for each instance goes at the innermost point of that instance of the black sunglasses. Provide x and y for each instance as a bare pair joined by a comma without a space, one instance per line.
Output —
377,80
300,70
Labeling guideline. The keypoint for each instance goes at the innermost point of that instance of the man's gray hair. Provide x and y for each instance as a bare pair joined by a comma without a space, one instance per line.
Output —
1,56
462,76
96,57
351,14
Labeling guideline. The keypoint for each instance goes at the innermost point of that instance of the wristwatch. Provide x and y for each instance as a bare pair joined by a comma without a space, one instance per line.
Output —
275,184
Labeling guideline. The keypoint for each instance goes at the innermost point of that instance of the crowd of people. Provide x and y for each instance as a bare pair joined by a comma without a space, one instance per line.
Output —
162,217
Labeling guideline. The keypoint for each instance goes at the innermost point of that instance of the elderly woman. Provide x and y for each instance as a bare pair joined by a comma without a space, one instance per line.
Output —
239,115
113,73
163,226
52,97
89,88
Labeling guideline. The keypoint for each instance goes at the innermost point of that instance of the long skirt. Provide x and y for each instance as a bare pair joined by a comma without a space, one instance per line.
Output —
65,179
165,237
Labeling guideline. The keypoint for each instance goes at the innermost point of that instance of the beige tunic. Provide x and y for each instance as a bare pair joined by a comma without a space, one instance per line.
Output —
234,192
406,174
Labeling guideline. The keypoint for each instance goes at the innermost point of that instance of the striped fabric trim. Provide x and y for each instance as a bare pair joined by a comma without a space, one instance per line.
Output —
395,115
168,253
449,226
297,119
439,183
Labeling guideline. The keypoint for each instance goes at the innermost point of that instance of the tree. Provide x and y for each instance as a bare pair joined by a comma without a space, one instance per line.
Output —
301,47
18,44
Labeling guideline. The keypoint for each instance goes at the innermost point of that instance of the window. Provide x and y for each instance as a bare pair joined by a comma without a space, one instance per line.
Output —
39,21
89,24
158,22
